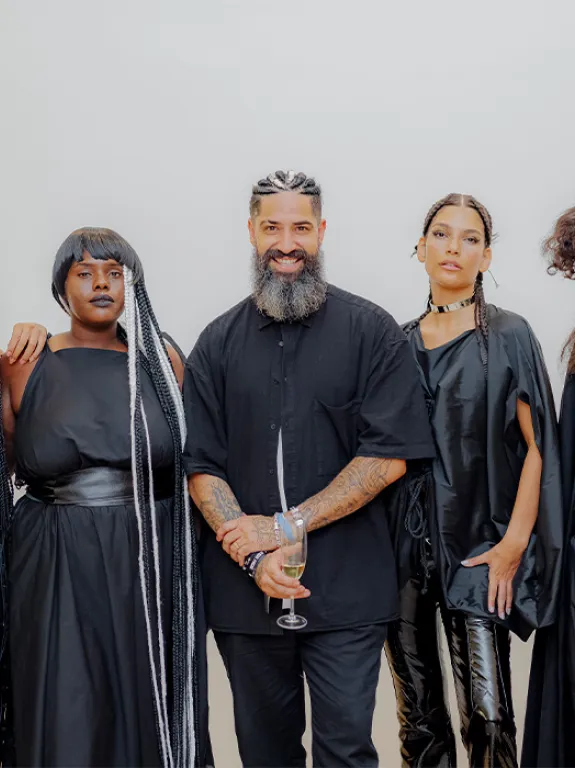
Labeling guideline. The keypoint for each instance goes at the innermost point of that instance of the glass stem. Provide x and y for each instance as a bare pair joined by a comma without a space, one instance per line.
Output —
292,608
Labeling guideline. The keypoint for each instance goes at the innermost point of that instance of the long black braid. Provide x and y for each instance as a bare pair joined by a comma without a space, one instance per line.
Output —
414,323
150,326
481,322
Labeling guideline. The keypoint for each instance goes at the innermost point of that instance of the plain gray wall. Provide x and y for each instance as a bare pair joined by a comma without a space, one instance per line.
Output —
154,118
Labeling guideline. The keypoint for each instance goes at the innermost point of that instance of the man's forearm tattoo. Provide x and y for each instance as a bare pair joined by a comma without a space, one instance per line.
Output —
356,485
218,504
264,529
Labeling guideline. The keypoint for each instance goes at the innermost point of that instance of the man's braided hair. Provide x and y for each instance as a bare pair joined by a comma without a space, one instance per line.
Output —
285,181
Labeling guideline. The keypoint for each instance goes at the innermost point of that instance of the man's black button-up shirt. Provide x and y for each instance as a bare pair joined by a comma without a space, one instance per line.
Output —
339,384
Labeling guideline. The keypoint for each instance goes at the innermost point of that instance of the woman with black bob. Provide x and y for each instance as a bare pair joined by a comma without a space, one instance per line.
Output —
486,528
106,638
549,739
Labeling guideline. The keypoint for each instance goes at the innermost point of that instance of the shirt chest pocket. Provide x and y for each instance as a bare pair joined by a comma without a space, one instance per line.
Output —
336,431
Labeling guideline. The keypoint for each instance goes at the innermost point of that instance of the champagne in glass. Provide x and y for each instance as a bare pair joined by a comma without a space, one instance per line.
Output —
293,571
294,554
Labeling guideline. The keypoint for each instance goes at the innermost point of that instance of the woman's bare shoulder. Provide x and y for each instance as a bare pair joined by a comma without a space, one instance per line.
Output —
177,363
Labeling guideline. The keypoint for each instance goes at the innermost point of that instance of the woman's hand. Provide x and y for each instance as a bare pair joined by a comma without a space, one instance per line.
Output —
28,340
503,561
246,534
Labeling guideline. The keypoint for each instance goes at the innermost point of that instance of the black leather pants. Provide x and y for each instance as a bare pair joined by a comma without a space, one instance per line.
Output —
479,651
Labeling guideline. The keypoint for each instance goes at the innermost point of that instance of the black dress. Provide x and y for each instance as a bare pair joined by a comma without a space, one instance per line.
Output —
80,669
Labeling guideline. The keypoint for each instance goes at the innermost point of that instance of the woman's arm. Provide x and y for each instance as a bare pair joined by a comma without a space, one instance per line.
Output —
526,505
177,364
504,558
8,417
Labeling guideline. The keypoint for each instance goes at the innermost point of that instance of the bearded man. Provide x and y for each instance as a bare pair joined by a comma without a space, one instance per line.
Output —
302,401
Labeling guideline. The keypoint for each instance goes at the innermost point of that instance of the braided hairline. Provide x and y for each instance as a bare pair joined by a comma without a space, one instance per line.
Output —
282,181
461,201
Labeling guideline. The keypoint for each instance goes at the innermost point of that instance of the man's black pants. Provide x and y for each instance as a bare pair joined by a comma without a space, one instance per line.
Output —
266,675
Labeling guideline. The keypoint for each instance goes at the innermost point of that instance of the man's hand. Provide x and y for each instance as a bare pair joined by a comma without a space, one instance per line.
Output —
247,534
503,561
274,583
27,342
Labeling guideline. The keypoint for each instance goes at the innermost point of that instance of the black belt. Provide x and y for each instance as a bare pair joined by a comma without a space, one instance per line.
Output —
98,487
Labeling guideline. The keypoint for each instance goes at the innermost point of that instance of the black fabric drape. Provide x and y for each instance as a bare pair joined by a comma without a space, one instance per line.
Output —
549,740
480,455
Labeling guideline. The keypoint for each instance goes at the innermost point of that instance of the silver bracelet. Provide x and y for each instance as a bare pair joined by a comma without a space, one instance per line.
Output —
297,516
277,529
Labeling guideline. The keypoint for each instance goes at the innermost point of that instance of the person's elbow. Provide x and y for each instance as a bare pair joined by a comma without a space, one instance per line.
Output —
198,478
397,470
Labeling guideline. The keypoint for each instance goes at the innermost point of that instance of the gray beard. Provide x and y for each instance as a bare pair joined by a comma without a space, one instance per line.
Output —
289,300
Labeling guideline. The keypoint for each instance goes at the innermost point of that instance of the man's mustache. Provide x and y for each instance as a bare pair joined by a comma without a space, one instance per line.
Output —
274,253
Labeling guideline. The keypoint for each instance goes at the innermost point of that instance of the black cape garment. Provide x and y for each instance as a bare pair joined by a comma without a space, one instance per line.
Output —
549,739
464,501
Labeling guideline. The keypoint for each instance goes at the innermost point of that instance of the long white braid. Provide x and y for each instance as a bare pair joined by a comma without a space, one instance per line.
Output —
189,703
157,572
132,325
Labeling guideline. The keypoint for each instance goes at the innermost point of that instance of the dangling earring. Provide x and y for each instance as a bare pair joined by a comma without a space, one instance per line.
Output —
493,278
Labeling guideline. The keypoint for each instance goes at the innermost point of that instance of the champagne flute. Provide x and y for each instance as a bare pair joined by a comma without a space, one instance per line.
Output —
294,553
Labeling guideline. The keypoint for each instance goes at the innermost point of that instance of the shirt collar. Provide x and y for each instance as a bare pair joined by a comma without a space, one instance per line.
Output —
265,320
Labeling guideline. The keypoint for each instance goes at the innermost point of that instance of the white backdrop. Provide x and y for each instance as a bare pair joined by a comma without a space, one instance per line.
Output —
154,118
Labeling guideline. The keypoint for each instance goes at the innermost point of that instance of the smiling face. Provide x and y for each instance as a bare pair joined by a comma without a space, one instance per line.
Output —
94,291
287,269
454,249
286,233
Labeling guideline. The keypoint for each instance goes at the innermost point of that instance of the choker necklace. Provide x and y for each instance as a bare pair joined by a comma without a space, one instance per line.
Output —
441,308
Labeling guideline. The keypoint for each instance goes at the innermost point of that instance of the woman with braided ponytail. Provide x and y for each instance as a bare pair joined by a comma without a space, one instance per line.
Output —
107,655
549,739
486,527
